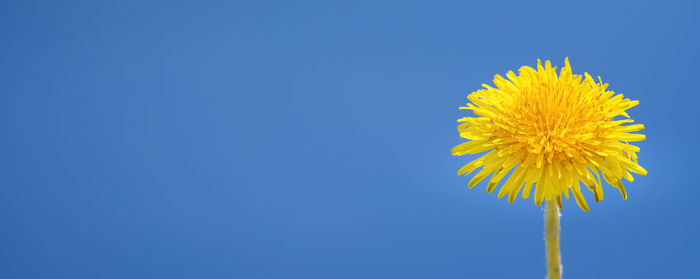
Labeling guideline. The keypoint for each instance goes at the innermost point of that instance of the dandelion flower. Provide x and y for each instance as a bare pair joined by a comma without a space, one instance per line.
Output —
554,132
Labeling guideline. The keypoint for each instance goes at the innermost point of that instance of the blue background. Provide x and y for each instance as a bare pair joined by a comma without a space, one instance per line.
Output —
286,139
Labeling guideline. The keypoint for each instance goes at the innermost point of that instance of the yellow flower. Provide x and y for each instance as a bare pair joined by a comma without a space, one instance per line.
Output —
554,131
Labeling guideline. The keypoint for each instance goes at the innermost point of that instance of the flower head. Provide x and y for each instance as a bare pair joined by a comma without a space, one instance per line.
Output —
555,132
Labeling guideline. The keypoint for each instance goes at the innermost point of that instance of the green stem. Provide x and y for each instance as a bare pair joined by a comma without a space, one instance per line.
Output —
551,240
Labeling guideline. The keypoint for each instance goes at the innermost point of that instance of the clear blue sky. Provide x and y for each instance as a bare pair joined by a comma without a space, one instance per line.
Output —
289,139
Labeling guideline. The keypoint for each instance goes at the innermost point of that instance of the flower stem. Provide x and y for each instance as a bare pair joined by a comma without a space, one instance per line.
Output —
551,240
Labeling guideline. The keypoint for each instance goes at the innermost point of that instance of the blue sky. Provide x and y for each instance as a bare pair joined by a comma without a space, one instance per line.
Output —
295,139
